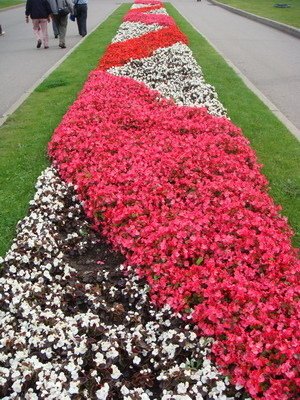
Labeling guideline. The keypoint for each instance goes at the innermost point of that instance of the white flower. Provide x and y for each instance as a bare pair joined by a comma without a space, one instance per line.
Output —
17,387
30,395
182,387
112,353
103,392
73,389
99,359
81,349
136,360
124,390
105,346
115,372
12,269
62,377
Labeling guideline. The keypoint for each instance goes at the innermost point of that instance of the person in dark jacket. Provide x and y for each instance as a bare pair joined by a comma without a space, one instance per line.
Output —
39,11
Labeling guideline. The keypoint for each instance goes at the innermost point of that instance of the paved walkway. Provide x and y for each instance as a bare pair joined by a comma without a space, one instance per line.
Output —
270,59
22,64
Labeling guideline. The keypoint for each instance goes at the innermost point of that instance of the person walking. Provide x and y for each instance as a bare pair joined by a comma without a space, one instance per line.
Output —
1,31
39,11
60,10
80,10
55,29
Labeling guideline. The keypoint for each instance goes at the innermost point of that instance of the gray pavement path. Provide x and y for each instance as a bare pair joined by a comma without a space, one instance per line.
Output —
268,58
22,64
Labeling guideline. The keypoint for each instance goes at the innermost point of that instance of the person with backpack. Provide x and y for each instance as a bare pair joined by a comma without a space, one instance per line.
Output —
39,11
60,11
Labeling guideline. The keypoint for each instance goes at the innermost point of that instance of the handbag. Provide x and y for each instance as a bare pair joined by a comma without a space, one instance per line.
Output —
62,11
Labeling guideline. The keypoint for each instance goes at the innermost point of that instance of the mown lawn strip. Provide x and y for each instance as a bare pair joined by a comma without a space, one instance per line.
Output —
9,3
266,8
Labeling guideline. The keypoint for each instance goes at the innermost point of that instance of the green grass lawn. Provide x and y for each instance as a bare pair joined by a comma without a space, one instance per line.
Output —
24,136
10,3
265,8
277,149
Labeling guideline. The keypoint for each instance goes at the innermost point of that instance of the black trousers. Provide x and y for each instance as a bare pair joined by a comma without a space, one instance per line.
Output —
81,17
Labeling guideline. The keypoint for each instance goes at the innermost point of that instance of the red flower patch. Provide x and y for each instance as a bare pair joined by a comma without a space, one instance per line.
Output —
181,194
120,53
148,2
145,9
149,19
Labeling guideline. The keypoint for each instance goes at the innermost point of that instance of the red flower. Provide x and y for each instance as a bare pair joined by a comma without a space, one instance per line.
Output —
159,19
181,194
122,52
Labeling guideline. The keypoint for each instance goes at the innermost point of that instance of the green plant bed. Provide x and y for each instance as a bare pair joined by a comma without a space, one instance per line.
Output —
24,136
277,149
267,9
10,3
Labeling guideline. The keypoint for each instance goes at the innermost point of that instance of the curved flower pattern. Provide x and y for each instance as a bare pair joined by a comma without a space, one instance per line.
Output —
130,30
174,72
73,326
175,186
160,19
180,192
120,53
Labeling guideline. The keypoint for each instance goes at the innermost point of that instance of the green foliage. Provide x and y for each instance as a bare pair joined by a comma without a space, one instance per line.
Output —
194,364
199,260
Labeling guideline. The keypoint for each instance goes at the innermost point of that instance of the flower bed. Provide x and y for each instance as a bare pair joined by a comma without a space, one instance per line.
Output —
147,2
179,191
59,284
120,53
74,327
163,20
130,30
145,9
174,72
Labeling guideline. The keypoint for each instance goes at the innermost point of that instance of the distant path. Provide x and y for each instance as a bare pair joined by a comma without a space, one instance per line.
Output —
270,59
21,64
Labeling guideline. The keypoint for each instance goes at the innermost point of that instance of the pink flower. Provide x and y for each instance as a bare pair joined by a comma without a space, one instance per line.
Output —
181,194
